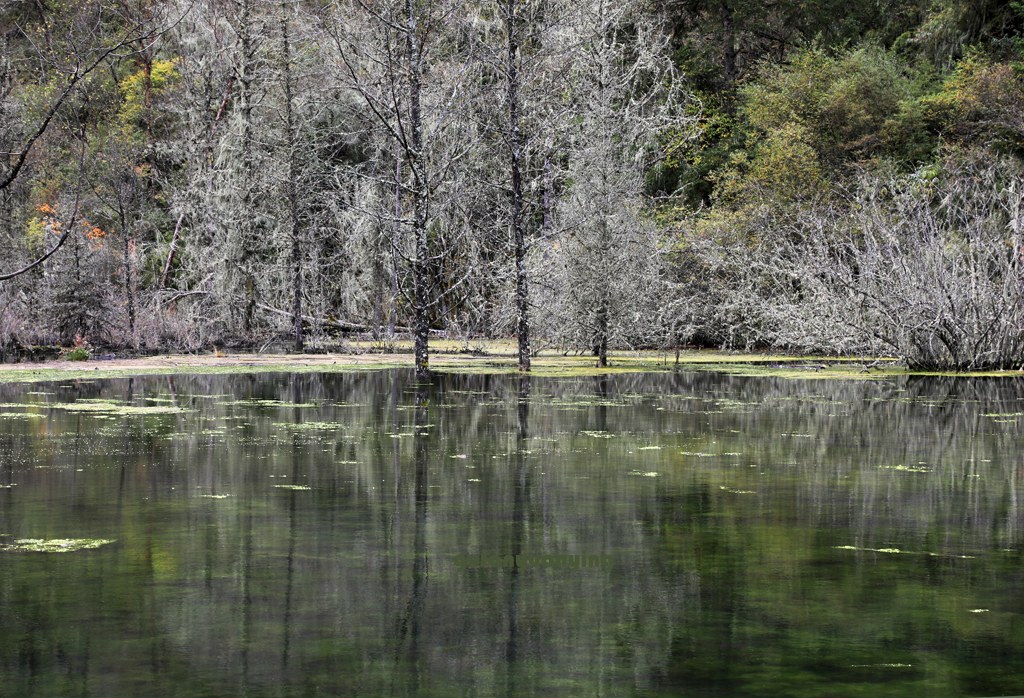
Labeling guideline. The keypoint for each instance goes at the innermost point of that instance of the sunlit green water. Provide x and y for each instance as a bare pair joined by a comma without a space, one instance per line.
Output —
694,535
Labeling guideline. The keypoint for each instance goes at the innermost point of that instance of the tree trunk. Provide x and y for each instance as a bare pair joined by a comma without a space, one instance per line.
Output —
515,142
292,185
601,337
420,186
377,324
728,46
395,290
601,315
244,223
129,287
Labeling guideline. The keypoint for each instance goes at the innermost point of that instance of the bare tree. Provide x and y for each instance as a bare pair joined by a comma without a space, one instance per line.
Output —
399,58
623,92
931,272
511,14
292,183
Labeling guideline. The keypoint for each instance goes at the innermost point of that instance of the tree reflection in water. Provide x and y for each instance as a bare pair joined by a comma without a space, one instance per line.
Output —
510,535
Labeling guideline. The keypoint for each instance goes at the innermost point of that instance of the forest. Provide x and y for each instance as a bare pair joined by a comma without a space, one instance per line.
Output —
807,176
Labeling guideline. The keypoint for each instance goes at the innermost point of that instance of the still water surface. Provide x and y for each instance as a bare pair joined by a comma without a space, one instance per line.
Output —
661,535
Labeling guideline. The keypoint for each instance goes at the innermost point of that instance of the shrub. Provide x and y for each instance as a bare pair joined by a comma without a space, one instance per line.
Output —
77,354
929,267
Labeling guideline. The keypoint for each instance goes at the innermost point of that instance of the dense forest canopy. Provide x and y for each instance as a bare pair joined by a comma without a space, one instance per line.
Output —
810,175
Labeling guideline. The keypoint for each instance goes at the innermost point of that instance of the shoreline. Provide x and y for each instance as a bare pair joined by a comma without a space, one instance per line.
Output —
547,364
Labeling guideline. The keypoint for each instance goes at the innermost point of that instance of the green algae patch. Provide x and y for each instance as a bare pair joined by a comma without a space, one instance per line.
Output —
898,551
310,426
906,468
53,545
258,402
796,370
740,364
497,358
545,370
587,403
830,368
113,408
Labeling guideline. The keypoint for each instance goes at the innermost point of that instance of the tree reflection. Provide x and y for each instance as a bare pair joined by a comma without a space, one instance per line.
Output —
410,624
520,498
506,535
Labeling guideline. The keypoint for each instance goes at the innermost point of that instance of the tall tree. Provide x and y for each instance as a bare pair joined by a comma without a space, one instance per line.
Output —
399,57
521,83
623,93
292,182
244,224
511,11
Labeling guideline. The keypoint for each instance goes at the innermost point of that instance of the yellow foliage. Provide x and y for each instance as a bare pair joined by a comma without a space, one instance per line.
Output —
787,164
38,226
980,98
141,86
34,231
783,167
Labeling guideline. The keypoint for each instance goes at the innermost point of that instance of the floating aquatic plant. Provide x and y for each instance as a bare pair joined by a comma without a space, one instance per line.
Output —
112,408
897,551
906,468
311,426
257,402
54,545
296,488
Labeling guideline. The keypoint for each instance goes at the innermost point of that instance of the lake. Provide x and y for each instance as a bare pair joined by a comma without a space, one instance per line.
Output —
691,534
